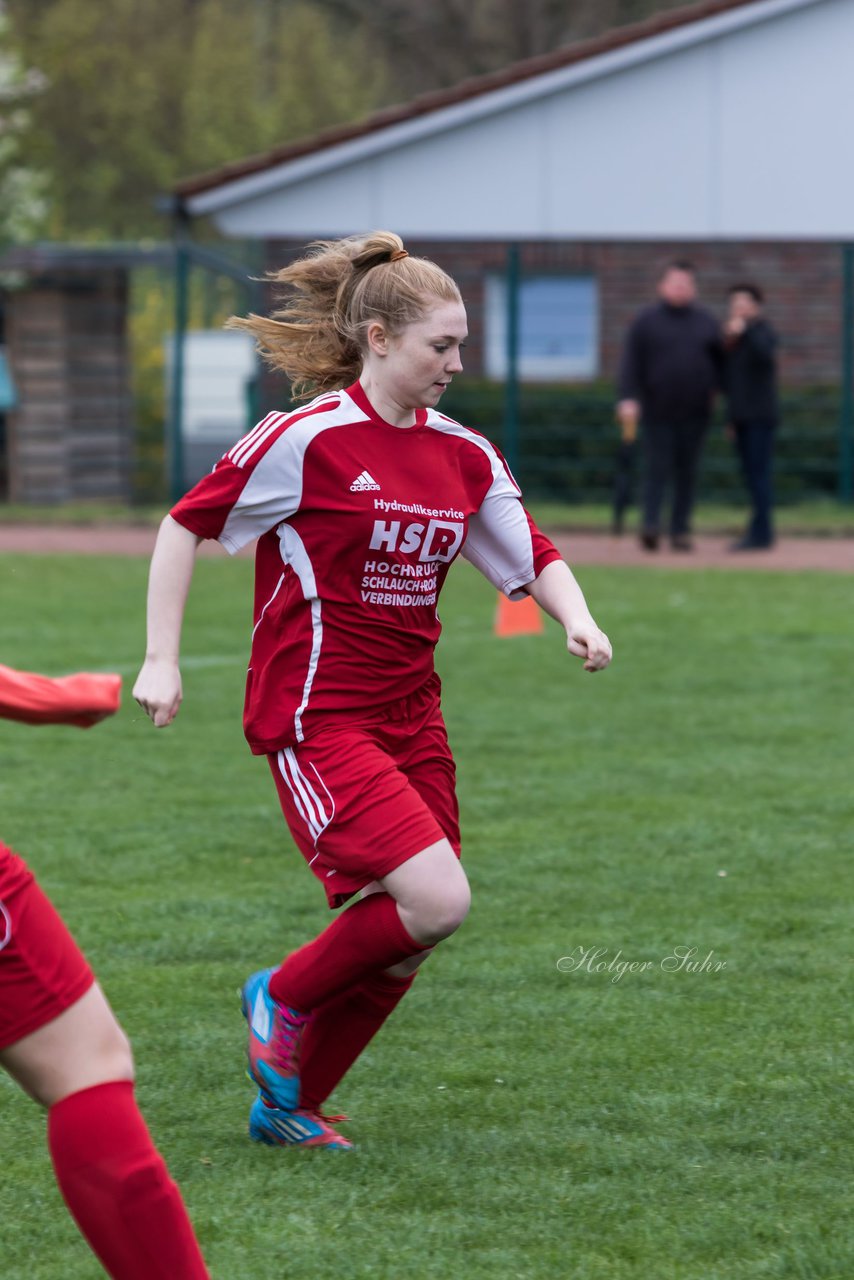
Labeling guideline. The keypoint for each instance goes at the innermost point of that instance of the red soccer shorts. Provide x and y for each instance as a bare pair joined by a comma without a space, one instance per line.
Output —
42,970
363,795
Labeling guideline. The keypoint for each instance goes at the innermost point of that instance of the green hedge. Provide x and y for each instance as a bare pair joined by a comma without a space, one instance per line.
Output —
568,441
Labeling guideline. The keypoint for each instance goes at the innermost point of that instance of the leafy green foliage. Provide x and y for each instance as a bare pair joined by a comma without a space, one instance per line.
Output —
140,96
567,440
22,188
428,46
512,1120
151,319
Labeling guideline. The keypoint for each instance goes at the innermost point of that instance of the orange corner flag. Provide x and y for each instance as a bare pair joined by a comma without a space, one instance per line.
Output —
518,617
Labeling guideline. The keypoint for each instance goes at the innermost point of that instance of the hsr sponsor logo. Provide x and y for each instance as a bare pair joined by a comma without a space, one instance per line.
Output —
435,541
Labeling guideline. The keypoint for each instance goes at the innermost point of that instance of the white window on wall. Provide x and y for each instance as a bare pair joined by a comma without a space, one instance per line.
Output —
558,327
218,368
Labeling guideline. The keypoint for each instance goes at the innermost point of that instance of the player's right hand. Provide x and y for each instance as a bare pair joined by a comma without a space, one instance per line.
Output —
158,691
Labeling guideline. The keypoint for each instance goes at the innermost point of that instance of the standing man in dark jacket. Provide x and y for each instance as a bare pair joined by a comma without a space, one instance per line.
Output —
750,383
669,375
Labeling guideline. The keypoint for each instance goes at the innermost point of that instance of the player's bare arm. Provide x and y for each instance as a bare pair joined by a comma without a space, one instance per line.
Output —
158,685
556,591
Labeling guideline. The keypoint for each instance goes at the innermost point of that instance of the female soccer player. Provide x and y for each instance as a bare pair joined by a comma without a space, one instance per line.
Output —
360,500
60,1040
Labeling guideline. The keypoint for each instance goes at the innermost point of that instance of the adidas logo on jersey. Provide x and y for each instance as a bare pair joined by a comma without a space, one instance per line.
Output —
363,482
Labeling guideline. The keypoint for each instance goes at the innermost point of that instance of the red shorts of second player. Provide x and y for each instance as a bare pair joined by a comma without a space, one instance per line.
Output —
42,970
363,795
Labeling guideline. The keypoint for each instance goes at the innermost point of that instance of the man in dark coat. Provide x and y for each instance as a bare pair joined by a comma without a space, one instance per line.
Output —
750,384
668,378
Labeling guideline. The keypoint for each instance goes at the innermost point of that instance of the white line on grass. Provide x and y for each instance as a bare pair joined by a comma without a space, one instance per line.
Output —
194,662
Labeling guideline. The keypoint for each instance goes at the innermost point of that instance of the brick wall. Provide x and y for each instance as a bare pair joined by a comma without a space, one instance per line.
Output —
801,281
71,436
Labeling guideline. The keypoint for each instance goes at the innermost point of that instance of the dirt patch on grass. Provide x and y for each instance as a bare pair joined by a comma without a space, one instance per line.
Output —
834,555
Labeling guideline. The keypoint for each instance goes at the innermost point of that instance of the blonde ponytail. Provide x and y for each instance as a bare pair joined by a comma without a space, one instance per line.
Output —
332,294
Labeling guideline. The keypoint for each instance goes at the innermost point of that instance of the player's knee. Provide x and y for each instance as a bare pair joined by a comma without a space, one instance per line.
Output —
443,913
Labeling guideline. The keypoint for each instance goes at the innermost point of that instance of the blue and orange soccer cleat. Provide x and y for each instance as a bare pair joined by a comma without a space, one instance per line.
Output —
275,1034
279,1128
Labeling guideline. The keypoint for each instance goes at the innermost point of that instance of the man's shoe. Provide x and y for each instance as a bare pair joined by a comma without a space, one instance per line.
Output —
681,542
649,541
280,1128
748,544
275,1035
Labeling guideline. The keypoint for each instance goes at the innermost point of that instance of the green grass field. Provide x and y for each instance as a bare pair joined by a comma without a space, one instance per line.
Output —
817,517
513,1120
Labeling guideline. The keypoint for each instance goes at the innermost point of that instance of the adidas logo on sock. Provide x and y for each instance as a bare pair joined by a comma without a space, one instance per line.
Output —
362,482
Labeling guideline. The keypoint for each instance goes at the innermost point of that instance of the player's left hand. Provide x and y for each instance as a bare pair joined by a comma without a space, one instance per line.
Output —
588,642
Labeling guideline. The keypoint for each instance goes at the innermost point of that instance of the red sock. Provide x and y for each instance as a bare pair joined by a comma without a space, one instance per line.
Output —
118,1189
367,936
339,1031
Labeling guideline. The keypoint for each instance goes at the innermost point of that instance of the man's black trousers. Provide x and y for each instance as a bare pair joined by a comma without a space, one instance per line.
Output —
671,460
754,438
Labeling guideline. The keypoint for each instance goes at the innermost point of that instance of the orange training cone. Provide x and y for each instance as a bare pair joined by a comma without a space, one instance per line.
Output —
518,617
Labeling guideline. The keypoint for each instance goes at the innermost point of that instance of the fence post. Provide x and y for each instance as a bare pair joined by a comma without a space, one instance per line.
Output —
846,408
511,384
176,399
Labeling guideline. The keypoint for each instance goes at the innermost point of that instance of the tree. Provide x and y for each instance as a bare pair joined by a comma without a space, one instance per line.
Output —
140,95
432,46
23,204
284,75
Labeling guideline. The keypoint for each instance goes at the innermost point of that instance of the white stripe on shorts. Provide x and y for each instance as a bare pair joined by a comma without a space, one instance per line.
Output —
308,803
5,927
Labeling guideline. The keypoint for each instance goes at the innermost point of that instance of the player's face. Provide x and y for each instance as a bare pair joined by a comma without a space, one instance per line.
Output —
422,360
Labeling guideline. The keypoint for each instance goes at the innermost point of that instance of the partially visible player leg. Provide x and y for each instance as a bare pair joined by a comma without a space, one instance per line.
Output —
369,794
84,1046
334,1038
423,901
111,1175
62,1043
342,1027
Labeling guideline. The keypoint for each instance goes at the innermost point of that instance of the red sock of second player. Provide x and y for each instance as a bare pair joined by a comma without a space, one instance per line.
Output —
369,935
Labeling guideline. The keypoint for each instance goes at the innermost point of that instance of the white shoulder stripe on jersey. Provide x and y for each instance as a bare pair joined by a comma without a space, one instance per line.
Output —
273,483
252,441
252,445
447,426
259,426
250,435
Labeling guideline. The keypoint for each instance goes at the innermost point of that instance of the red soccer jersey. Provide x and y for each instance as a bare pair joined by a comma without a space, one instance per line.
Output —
358,522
